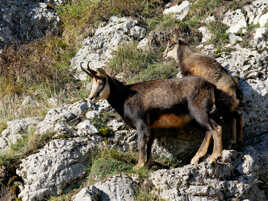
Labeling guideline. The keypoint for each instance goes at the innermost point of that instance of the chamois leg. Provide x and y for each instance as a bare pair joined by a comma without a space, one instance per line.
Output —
233,141
239,127
203,148
217,148
200,113
149,160
143,139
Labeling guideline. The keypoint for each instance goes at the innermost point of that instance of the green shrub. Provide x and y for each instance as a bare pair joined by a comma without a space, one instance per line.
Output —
130,60
109,162
103,167
156,72
219,34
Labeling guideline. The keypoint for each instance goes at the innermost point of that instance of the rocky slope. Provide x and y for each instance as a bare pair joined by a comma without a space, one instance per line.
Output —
62,163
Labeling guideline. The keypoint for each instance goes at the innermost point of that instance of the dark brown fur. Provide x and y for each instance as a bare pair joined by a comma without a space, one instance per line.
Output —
195,63
164,104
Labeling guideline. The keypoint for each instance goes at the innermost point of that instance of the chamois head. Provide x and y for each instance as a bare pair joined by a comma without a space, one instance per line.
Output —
173,44
100,88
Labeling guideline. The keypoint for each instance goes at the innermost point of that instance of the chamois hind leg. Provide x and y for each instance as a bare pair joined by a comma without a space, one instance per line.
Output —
217,147
239,127
143,139
203,148
200,112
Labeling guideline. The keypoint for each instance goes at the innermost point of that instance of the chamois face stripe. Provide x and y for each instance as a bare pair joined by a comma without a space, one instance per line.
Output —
100,88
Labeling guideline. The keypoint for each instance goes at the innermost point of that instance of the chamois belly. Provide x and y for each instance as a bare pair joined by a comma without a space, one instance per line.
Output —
171,121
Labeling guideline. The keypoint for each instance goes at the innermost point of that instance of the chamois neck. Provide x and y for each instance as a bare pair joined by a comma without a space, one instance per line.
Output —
118,92
183,52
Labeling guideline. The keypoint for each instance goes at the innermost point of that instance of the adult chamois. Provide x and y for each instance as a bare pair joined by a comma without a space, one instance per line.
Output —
194,63
163,104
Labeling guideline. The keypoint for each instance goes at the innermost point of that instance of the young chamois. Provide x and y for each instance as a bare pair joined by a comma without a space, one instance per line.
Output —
195,63
163,104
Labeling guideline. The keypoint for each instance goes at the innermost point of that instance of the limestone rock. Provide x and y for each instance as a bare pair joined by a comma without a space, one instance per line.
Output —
255,10
24,20
208,182
180,11
85,128
235,20
98,49
118,187
68,113
206,35
16,129
251,67
57,165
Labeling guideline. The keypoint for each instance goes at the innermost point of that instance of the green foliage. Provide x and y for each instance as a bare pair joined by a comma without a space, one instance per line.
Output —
103,167
109,162
219,34
155,72
203,8
130,60
162,22
28,144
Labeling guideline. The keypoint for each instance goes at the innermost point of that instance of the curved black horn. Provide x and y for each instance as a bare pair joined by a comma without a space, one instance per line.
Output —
89,71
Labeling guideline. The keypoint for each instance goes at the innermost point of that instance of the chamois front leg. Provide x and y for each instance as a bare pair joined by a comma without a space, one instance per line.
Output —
143,143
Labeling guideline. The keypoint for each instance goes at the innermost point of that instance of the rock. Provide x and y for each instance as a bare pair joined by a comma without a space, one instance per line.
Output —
206,35
234,39
250,66
255,10
143,44
263,20
24,21
92,114
260,38
235,20
118,187
55,167
115,125
16,129
85,128
87,194
180,11
210,182
66,113
97,50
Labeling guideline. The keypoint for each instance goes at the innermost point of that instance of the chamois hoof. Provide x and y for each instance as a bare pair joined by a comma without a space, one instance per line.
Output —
194,160
213,158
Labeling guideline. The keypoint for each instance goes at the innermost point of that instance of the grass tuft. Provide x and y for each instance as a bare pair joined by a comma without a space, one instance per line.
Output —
156,72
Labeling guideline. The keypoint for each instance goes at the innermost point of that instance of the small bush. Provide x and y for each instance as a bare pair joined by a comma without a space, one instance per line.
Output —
103,167
204,8
110,162
130,60
156,72
28,144
162,22
220,36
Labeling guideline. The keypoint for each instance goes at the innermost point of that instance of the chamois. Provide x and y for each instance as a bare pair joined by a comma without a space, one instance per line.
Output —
194,63
157,104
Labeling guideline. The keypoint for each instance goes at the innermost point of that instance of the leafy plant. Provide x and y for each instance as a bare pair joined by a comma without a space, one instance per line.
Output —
155,72
130,60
